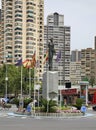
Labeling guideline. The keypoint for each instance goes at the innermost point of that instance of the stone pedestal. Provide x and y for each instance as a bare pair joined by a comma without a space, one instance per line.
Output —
50,85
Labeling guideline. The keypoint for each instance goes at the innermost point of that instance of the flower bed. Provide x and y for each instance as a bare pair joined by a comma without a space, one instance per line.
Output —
71,111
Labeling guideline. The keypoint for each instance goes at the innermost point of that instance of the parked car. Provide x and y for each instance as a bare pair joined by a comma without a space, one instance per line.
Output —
94,107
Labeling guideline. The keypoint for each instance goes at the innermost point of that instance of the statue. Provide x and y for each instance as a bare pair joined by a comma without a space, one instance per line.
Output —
51,53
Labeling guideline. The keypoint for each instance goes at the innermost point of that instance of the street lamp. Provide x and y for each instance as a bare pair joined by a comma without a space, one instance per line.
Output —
6,77
37,87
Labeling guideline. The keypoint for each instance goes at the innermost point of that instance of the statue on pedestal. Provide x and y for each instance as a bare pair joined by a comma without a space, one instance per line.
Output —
51,53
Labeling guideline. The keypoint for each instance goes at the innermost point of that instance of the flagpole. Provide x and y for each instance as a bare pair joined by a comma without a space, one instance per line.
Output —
21,81
21,99
34,65
60,85
47,66
34,90
19,63
58,60
29,82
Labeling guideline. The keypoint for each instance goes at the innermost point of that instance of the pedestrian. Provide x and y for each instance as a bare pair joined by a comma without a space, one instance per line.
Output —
28,108
83,109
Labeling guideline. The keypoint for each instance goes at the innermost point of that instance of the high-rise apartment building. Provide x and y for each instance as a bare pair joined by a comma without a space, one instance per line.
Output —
22,31
0,14
75,67
60,34
0,29
95,43
75,55
95,56
88,64
75,72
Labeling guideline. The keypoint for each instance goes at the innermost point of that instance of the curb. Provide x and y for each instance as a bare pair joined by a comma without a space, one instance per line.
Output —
50,117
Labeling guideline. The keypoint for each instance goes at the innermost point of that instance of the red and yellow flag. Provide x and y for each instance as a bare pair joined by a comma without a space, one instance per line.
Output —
30,63
33,61
27,63
45,57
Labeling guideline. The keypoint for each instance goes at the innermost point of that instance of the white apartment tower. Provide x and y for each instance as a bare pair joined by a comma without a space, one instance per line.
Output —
75,67
60,34
22,30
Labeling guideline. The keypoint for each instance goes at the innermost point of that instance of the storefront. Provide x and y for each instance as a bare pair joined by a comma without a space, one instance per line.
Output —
69,96
91,92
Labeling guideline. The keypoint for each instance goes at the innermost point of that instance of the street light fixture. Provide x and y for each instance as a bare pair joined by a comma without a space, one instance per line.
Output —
5,60
37,87
6,77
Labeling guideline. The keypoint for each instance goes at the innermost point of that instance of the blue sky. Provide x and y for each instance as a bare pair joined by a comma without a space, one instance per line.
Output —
80,15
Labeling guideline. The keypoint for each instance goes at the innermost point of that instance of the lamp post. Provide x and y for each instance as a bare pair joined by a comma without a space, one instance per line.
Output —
6,73
37,87
30,82
6,77
5,60
6,55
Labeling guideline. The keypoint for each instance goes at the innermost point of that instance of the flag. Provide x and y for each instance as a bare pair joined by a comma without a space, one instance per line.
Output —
33,61
58,56
19,62
45,57
30,63
27,63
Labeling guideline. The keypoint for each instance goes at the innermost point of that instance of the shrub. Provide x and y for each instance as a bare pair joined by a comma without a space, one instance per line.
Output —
79,103
26,101
7,105
15,101
53,109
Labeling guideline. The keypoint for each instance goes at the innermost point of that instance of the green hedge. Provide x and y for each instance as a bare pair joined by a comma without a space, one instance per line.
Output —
7,105
26,101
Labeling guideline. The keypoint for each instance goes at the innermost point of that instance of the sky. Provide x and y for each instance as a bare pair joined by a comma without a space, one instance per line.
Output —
80,15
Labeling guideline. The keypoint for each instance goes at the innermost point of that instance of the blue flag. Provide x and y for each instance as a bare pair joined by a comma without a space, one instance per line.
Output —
58,56
19,62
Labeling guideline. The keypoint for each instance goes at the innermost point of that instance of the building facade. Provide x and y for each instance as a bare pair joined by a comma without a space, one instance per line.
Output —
22,30
75,72
88,64
0,28
75,67
95,56
60,34
75,55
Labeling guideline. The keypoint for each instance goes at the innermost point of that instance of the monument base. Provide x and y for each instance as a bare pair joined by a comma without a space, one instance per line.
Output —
50,85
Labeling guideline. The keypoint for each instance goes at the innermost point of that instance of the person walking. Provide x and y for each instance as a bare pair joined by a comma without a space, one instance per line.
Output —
83,109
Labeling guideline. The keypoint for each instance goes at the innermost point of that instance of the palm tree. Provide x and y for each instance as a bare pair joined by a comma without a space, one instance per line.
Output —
92,81
48,106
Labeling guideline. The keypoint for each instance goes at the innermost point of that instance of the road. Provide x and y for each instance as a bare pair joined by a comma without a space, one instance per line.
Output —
29,123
